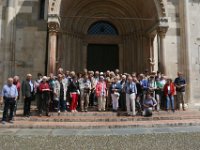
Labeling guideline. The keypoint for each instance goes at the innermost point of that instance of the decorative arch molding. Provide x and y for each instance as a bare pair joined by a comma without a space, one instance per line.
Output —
55,6
161,7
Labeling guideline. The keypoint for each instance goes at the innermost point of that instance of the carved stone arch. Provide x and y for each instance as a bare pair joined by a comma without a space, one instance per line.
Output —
161,8
55,5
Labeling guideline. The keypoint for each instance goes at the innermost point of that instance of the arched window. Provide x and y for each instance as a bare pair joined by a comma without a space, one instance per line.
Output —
102,28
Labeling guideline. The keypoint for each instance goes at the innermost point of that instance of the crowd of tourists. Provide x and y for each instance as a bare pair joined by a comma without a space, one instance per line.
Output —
135,94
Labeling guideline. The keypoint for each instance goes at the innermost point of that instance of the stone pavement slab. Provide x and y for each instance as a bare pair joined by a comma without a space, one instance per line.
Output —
98,132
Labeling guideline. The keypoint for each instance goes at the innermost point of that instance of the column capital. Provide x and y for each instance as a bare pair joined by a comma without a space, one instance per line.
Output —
162,31
53,27
163,26
53,23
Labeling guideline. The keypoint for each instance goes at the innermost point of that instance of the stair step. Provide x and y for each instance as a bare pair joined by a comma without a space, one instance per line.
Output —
89,125
102,118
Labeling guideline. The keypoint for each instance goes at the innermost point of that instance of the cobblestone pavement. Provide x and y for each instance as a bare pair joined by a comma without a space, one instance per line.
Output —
176,138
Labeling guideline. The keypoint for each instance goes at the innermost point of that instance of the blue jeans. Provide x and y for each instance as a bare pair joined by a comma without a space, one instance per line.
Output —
62,105
170,99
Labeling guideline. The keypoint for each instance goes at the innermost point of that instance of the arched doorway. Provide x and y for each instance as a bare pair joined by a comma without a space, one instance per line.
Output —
102,56
137,22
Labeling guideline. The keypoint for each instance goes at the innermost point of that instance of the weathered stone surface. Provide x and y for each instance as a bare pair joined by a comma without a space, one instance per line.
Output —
151,139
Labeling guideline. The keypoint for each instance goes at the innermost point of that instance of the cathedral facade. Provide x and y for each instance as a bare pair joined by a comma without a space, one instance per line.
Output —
132,35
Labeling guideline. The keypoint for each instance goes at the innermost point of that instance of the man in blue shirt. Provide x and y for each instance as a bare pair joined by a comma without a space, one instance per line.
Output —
180,84
9,94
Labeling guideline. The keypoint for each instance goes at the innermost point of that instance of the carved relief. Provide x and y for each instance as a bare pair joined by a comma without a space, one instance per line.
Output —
53,27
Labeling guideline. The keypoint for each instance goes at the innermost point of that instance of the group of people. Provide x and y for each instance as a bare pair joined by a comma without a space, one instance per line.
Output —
68,91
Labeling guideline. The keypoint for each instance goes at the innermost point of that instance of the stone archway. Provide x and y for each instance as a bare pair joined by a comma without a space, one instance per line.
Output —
137,27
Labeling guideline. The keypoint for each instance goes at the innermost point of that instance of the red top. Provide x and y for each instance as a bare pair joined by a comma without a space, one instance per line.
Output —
44,86
101,89
18,86
172,89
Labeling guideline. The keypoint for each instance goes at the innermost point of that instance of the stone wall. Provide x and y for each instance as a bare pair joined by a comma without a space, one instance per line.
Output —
1,53
193,31
23,40
30,39
172,39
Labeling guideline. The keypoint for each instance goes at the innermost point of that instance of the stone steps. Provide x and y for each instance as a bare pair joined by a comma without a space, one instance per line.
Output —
108,119
93,125
88,120
103,118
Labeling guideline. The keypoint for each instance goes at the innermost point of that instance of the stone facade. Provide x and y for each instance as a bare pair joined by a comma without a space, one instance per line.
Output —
23,38
153,34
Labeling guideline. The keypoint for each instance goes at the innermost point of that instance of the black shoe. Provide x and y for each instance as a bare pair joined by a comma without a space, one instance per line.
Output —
48,115
3,122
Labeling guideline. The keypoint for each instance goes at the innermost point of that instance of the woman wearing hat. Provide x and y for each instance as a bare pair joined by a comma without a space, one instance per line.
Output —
115,93
101,93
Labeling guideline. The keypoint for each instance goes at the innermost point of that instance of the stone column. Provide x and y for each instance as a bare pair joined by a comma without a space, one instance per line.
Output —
162,63
53,30
151,58
9,39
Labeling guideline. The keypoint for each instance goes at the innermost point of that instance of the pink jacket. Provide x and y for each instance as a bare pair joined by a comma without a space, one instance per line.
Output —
99,89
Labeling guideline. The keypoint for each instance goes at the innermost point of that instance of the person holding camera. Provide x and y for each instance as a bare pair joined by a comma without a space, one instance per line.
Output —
148,105
131,92
115,89
85,89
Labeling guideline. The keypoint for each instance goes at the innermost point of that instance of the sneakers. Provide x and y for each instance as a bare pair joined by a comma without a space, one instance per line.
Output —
11,121
59,113
74,111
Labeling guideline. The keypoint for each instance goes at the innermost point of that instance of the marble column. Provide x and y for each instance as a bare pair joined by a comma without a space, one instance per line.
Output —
151,58
162,63
53,30
8,39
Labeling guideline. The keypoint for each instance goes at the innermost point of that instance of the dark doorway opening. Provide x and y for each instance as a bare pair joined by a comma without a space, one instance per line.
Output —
102,57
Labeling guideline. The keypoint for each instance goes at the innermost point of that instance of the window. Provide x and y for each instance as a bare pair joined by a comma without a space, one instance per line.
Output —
102,28
42,9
